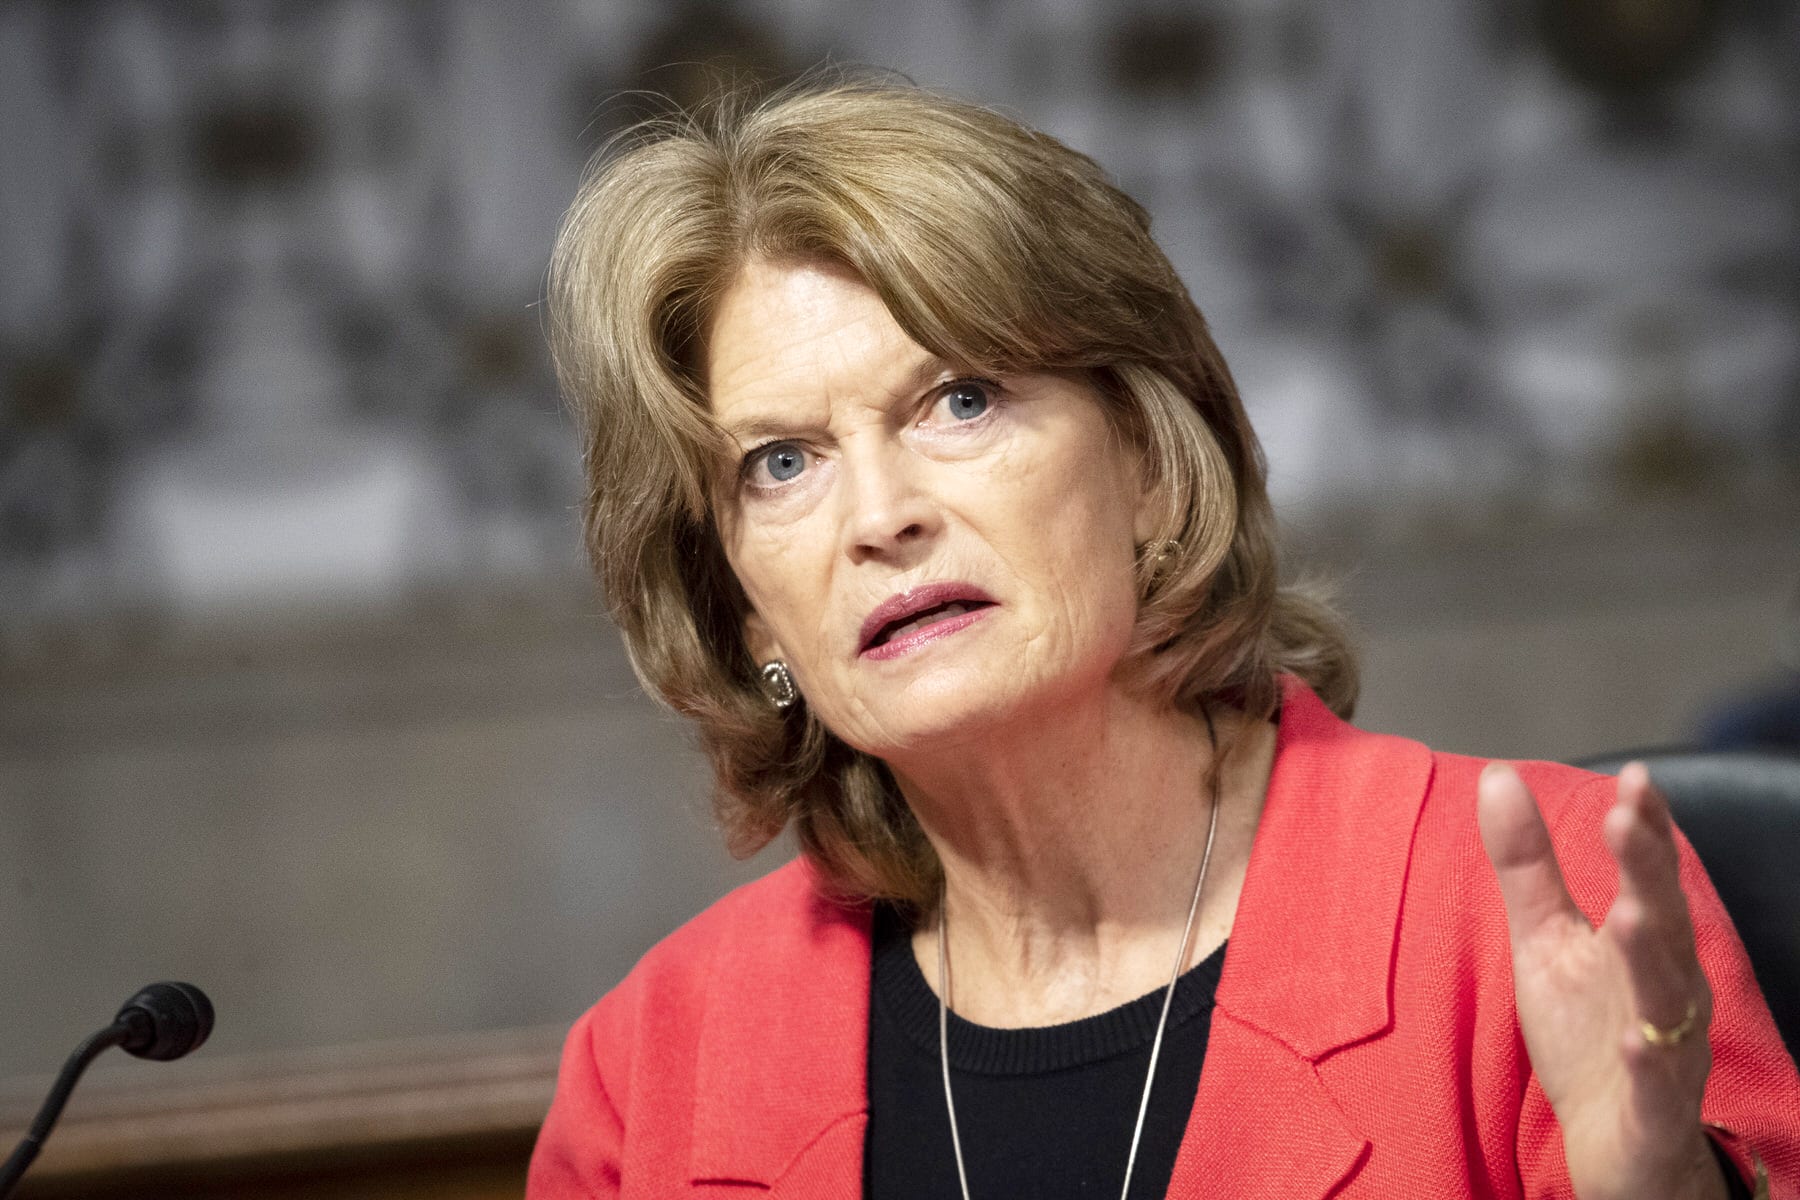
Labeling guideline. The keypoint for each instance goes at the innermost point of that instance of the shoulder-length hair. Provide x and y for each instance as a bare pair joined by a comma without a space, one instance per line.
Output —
994,246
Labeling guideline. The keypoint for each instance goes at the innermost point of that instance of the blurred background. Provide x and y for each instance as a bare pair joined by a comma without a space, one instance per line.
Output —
304,692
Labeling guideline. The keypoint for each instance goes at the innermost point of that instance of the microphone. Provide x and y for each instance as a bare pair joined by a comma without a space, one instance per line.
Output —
165,1021
162,1022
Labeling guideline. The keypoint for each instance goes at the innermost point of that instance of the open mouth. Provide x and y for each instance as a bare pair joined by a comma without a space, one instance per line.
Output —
919,620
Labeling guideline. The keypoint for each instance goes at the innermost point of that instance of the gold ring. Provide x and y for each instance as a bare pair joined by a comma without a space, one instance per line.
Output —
1673,1035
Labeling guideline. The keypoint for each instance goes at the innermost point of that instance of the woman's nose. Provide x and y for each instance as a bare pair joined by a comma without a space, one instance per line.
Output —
888,509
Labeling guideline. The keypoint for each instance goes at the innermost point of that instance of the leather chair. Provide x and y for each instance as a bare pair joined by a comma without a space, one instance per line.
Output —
1741,812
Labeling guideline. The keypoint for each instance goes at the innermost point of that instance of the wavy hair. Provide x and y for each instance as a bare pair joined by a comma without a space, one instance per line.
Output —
916,193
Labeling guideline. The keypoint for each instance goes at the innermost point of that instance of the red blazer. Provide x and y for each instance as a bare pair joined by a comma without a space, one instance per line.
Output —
1364,1042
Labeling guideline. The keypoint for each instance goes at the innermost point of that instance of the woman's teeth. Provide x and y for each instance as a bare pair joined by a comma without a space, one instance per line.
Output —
930,616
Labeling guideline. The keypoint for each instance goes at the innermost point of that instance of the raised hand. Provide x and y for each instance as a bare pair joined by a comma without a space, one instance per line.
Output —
1614,1018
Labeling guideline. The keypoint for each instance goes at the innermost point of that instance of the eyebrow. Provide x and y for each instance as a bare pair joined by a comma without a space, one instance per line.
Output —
754,428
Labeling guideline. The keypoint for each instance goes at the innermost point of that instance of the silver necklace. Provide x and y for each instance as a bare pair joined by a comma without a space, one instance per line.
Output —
1187,937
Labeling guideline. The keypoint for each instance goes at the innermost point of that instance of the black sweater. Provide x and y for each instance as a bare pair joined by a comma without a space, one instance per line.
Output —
1044,1113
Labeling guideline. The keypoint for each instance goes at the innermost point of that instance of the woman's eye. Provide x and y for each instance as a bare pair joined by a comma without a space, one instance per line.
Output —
780,462
966,401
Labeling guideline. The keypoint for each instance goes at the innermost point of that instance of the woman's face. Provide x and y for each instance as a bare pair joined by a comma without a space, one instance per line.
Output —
932,552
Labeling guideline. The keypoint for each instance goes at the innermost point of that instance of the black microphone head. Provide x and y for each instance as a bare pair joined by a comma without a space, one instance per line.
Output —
166,1021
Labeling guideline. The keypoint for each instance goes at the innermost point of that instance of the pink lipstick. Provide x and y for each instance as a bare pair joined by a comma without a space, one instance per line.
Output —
907,620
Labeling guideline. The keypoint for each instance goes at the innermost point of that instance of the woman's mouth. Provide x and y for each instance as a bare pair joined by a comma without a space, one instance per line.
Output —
930,616
911,619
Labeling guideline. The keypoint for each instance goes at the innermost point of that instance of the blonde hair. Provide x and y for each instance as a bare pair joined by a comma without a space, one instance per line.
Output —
993,246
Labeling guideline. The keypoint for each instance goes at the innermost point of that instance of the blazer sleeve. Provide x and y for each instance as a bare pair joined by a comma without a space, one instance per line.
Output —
1752,1099
578,1149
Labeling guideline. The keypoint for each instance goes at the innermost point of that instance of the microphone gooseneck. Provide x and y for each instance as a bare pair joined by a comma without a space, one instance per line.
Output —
162,1022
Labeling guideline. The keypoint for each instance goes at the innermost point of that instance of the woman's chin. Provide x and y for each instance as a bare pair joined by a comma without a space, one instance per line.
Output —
945,710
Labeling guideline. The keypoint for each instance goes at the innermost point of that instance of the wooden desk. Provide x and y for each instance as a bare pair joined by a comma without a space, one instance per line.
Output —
448,1118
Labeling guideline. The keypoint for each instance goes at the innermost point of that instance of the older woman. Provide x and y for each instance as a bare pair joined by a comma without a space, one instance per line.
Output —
918,483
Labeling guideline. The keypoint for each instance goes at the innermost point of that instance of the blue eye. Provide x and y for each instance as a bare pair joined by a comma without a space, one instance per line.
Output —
783,461
966,401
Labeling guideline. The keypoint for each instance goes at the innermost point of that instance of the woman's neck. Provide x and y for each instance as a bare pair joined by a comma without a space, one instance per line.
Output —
1071,844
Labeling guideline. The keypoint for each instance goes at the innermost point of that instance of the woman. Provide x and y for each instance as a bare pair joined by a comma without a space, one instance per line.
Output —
917,481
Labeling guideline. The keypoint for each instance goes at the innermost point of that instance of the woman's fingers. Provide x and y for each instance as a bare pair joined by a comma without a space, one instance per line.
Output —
1604,1012
1650,920
1518,846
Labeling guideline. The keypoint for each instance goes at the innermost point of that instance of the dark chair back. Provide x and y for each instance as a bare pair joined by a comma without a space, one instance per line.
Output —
1741,811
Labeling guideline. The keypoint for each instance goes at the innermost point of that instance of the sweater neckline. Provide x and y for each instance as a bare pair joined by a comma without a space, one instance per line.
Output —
900,993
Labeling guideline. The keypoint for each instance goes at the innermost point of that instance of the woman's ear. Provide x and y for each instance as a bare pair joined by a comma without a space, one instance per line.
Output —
1150,512
760,640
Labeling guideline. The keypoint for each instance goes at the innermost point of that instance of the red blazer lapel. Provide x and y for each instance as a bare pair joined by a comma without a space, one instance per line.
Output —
1263,1124
1308,967
781,1093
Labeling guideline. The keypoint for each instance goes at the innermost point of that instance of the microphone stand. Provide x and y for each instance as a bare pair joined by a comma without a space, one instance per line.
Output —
33,1141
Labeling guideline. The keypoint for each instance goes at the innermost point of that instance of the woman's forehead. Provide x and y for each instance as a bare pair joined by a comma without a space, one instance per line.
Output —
798,335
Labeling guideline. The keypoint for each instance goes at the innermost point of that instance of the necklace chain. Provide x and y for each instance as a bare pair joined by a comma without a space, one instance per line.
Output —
1187,937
